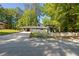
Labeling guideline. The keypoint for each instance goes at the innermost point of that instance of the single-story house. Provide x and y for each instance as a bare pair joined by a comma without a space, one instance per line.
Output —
34,28
2,25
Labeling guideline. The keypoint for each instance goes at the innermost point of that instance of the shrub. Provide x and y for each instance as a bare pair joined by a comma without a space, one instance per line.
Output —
39,34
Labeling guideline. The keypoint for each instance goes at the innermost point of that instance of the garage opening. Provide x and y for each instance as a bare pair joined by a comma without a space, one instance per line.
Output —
28,29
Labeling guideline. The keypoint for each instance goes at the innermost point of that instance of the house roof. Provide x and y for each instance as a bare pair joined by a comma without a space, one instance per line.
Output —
2,23
35,27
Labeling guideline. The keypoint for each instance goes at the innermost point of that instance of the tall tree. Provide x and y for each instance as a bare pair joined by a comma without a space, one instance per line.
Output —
29,18
36,7
12,16
63,14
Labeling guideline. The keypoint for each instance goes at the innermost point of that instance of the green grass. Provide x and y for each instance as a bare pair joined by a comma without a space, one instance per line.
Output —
7,31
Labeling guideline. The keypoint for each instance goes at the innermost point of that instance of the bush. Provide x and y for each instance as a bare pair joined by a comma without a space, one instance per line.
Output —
39,34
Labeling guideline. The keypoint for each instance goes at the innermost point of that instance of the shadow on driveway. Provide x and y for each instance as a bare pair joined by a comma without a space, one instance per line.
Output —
23,46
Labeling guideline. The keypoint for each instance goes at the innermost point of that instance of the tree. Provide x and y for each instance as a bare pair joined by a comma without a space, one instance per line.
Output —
2,13
12,16
46,20
29,18
64,14
53,11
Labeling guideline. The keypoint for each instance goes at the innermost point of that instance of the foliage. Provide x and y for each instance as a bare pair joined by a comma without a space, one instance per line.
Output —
9,16
29,18
39,35
63,15
46,20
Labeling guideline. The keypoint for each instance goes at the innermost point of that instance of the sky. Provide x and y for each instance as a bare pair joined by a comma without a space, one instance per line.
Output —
13,5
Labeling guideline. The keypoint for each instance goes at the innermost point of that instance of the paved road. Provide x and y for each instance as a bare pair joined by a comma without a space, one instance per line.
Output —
19,45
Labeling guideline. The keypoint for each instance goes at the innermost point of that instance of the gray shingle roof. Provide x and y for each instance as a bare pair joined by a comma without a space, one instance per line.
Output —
35,27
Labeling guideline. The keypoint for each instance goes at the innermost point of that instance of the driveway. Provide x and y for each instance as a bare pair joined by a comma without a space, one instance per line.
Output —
19,44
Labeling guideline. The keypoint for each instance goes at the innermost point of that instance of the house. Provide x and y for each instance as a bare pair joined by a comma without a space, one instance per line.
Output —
34,28
2,25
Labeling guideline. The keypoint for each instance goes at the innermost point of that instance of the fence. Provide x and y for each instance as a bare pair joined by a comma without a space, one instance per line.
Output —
65,34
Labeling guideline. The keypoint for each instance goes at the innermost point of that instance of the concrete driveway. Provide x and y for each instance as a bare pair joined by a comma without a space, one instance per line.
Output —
19,44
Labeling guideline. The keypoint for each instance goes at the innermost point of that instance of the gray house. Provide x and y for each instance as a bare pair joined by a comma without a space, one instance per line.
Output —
34,28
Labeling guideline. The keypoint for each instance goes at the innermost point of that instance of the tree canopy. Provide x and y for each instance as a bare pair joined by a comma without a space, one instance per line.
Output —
29,18
63,15
9,16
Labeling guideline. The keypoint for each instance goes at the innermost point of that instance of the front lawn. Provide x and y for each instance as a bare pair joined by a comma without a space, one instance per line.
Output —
8,31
